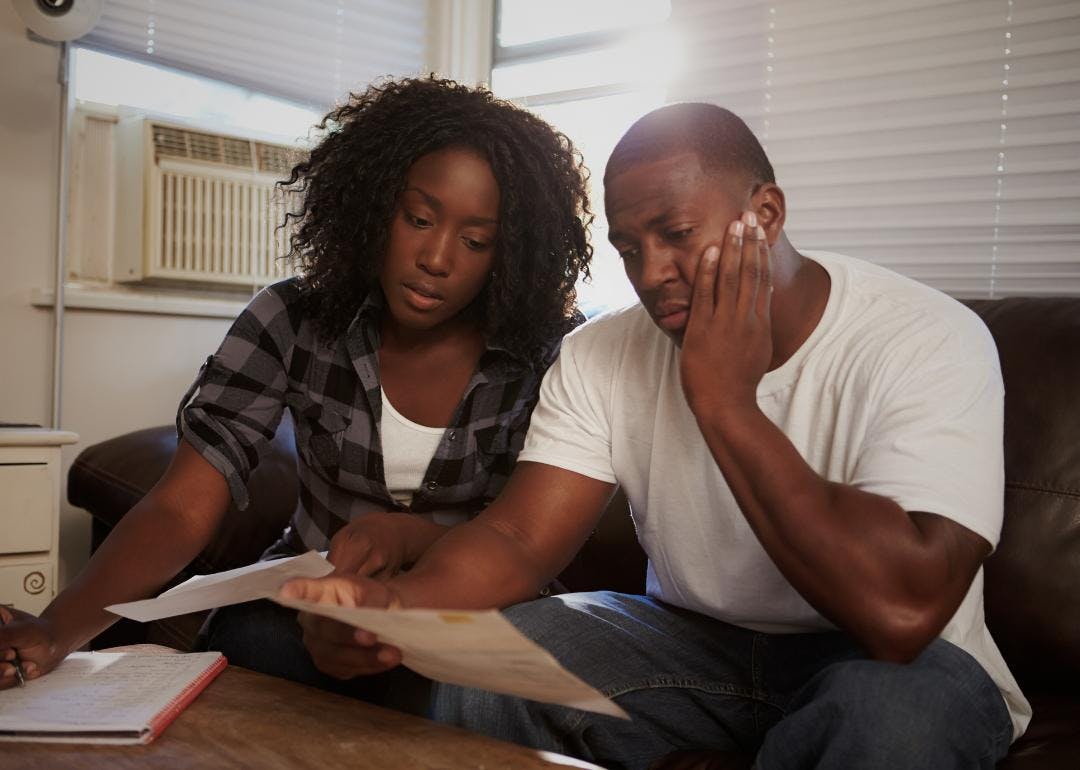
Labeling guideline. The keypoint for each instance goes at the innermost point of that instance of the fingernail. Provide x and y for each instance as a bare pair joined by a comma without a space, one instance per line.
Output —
30,669
712,253
737,229
760,233
385,656
751,219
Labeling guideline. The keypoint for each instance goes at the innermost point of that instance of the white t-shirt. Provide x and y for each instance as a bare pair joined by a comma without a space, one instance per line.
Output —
897,391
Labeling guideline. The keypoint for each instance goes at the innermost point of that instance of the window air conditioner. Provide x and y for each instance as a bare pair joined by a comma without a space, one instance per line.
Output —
198,207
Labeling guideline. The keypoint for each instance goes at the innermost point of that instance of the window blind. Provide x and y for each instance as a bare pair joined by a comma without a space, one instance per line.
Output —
309,51
938,138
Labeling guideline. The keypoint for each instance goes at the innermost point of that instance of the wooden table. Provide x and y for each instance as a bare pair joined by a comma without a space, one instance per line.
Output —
250,720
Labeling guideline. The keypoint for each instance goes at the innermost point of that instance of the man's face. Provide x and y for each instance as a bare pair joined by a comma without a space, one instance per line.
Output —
662,215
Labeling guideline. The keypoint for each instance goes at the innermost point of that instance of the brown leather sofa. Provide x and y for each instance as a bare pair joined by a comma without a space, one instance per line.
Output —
1032,580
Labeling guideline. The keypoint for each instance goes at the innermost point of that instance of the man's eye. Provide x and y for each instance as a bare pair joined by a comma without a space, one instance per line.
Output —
678,235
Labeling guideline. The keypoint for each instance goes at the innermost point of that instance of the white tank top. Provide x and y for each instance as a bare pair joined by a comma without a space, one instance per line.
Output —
407,451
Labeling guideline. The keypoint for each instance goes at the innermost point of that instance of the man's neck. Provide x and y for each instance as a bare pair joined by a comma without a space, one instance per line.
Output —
800,294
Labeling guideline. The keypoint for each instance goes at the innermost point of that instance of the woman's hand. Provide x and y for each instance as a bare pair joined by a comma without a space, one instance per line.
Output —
338,649
35,642
381,544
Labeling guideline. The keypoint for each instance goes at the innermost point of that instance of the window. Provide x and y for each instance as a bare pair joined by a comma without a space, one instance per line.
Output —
101,78
936,137
306,51
179,195
589,69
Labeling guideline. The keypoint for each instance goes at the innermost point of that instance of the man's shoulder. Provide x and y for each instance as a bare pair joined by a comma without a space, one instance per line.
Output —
602,349
895,325
904,314
619,325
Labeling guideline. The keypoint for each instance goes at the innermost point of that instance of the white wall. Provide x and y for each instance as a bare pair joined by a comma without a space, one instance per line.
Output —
29,110
122,371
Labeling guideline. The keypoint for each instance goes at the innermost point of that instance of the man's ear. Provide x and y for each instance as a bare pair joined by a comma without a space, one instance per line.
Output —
768,203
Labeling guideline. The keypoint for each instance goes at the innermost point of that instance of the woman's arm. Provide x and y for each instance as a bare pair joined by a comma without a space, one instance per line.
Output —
154,541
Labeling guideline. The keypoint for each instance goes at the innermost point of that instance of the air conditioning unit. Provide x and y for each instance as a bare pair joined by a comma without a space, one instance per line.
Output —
198,207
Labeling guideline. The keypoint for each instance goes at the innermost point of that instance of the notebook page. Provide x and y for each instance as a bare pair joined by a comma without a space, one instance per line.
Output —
101,691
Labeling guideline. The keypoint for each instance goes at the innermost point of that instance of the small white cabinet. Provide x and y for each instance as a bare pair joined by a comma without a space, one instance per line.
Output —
30,515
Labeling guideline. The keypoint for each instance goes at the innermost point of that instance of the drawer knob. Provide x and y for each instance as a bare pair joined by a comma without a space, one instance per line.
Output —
34,583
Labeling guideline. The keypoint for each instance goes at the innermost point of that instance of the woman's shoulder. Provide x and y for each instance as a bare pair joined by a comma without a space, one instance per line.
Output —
287,298
279,310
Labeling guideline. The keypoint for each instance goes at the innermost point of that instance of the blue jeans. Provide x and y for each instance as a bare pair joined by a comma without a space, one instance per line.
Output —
265,637
692,682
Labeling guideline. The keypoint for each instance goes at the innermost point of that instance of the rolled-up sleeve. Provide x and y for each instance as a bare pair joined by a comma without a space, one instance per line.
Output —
232,409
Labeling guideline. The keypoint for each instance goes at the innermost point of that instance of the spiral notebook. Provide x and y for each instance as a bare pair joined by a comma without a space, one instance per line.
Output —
107,697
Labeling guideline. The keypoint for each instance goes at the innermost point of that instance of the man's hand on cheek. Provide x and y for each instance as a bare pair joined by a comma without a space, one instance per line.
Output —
338,649
727,344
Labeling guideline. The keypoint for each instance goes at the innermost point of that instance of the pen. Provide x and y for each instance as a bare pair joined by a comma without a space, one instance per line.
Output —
19,673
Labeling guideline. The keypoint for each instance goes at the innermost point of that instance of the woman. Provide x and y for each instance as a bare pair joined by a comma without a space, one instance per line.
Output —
439,238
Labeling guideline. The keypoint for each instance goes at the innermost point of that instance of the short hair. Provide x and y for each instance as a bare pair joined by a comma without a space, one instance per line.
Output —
351,182
719,137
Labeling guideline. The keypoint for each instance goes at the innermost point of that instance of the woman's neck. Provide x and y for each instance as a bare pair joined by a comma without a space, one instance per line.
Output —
425,373
454,334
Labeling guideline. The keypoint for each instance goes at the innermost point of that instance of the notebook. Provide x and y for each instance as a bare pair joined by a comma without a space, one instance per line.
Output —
107,697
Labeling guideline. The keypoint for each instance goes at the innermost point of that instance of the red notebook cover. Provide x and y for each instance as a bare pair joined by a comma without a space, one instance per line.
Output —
183,699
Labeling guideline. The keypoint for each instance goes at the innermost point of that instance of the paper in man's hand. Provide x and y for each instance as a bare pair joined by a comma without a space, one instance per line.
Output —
473,649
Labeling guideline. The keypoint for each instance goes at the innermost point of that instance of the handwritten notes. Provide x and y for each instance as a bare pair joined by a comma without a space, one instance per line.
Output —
105,697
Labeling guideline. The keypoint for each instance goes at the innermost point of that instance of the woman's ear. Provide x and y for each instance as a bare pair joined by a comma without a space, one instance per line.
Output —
771,209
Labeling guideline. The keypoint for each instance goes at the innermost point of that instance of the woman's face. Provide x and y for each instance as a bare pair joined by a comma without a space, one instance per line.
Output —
441,248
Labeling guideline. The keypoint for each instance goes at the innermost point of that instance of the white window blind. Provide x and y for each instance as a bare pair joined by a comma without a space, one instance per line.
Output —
310,51
938,138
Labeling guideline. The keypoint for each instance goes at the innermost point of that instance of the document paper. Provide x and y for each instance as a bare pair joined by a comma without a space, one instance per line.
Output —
468,648
205,592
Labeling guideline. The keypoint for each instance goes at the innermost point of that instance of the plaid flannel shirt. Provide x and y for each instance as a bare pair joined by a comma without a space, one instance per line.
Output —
272,358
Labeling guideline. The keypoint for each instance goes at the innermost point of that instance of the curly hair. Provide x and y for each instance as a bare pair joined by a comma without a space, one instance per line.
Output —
352,179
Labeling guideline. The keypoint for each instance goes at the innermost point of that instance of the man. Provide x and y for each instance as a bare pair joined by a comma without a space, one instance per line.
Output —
812,451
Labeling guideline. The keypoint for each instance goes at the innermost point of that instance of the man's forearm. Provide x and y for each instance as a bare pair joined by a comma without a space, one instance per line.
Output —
857,557
476,565
420,535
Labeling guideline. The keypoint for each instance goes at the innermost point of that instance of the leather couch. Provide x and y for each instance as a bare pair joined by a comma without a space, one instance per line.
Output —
1032,580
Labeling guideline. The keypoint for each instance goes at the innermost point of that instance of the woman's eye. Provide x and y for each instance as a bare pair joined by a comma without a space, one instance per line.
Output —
416,221
626,254
678,235
475,245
